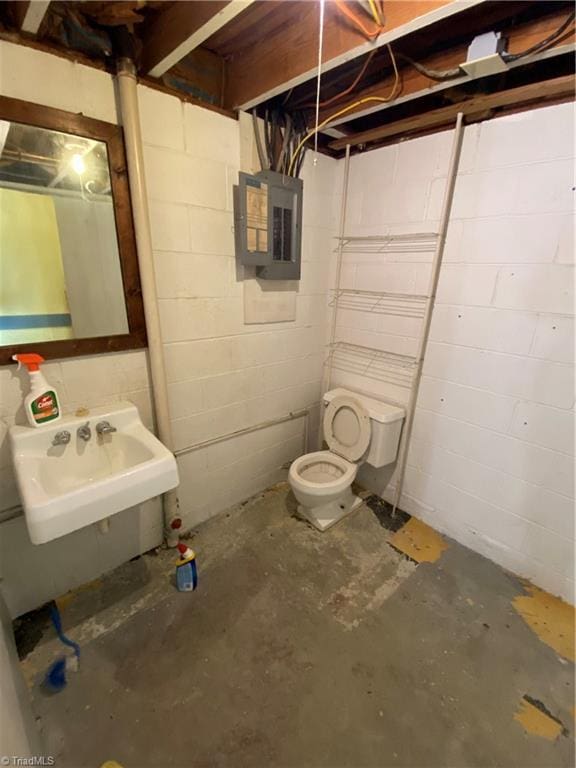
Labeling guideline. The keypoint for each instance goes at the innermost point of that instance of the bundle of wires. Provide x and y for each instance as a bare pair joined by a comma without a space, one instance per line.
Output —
284,145
377,12
367,100
296,147
282,133
548,41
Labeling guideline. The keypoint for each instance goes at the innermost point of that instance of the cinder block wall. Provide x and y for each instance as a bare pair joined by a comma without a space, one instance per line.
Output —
223,375
30,575
492,457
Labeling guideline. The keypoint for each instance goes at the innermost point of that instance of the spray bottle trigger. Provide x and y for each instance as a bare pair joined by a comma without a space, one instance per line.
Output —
31,360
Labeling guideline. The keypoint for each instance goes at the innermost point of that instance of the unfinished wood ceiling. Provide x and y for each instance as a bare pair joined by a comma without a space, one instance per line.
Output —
263,54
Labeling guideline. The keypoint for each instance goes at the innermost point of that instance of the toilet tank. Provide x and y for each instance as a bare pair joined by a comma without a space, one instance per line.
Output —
386,425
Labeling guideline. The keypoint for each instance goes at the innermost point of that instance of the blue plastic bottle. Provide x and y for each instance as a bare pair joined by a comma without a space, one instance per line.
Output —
186,571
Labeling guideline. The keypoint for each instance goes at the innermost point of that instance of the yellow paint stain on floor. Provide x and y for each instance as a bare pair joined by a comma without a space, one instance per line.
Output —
419,541
68,597
550,618
536,722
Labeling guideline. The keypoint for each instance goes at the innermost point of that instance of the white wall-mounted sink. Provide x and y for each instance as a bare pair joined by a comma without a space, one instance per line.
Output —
70,485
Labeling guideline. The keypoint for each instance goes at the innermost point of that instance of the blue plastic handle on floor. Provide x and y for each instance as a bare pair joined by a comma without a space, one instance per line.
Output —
57,621
55,677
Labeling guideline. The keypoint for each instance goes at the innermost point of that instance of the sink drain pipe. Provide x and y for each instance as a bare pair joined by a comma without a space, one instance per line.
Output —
128,99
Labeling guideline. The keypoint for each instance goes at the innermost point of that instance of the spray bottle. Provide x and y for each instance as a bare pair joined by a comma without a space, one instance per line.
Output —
41,404
186,572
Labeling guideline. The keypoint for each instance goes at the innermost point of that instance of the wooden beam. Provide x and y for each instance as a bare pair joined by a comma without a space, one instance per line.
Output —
288,56
183,27
474,107
447,85
414,83
30,14
161,87
200,73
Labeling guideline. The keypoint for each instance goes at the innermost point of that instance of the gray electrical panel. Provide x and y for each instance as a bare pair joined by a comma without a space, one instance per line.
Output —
268,224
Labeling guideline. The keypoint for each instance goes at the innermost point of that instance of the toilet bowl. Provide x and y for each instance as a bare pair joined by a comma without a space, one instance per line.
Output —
356,429
321,482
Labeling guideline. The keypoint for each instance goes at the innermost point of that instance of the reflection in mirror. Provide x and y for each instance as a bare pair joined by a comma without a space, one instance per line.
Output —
60,273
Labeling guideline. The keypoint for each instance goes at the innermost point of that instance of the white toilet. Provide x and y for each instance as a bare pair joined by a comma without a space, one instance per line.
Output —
357,429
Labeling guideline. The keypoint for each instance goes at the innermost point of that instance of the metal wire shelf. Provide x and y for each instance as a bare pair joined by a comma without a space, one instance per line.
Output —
418,242
377,364
380,302
400,370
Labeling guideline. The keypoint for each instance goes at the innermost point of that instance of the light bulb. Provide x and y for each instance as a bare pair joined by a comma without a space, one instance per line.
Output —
78,164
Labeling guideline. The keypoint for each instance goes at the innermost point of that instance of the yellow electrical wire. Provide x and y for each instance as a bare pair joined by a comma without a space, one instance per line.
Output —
379,99
375,13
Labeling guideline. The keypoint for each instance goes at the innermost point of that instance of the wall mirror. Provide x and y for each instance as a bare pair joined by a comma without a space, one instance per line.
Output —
69,279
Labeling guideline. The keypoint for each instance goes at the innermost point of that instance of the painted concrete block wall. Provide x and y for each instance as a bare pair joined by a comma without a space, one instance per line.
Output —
225,375
32,574
492,457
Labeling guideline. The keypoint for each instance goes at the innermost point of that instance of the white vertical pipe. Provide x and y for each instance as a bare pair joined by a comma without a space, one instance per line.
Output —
434,277
128,96
341,231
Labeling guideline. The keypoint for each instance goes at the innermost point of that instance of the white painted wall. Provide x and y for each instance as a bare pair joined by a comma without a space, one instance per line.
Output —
492,457
223,375
491,462
33,574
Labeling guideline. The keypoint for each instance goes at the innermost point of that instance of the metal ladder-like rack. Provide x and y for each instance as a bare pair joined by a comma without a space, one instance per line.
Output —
401,370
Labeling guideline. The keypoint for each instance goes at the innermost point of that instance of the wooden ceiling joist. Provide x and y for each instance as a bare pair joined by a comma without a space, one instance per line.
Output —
415,84
413,96
474,109
181,28
260,72
30,14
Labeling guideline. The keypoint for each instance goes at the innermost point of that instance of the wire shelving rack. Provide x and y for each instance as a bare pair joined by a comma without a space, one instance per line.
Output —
373,363
379,364
380,302
416,242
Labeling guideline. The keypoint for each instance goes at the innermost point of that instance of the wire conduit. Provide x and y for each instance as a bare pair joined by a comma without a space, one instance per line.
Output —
292,416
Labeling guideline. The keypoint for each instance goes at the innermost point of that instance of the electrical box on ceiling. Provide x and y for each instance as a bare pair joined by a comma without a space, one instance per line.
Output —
268,224
484,55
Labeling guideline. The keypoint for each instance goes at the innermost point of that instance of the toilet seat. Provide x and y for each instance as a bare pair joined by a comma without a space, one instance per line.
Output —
347,428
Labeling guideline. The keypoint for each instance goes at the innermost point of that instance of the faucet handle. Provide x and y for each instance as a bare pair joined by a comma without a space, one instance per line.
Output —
62,437
84,432
104,428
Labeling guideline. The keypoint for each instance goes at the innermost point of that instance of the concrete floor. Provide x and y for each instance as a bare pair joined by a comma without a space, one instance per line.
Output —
303,649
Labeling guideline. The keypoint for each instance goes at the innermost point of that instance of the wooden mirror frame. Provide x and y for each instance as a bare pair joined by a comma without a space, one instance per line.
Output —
18,111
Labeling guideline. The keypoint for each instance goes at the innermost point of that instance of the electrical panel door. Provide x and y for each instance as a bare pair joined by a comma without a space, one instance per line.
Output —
268,224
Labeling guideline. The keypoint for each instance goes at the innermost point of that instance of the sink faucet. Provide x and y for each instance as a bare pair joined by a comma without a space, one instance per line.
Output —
61,438
84,432
105,428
